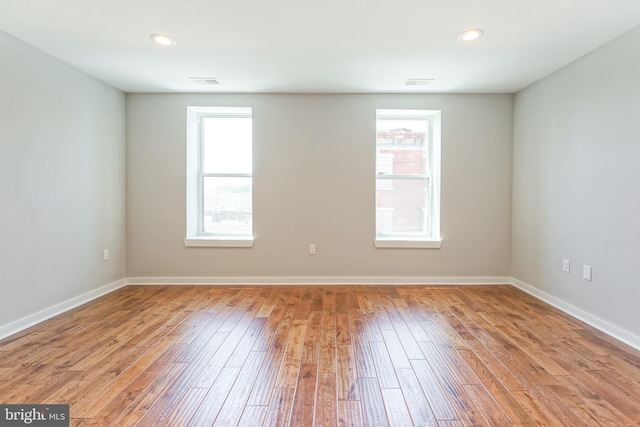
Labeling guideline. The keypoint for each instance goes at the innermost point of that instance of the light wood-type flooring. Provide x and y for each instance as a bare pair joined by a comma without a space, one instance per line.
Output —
447,356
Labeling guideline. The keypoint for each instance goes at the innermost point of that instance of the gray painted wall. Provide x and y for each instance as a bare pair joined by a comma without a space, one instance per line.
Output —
62,181
575,183
314,183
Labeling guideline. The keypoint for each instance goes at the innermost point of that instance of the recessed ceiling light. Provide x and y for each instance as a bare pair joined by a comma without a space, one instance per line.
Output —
205,80
471,35
162,39
418,82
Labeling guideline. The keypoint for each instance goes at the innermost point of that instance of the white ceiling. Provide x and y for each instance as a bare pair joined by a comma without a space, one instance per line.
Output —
321,45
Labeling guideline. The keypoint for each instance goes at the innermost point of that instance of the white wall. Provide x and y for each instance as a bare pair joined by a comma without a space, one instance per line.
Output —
314,183
576,177
62,178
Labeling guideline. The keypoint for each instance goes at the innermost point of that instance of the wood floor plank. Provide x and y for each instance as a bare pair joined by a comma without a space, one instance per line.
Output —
576,405
314,326
372,326
432,389
310,352
268,374
204,362
446,356
623,401
603,387
145,399
279,411
407,340
280,318
551,400
373,410
497,390
451,424
343,332
342,305
327,362
349,413
186,408
540,414
252,416
303,409
399,358
288,375
52,385
241,352
208,329
346,373
19,393
231,410
224,351
491,411
382,317
536,356
152,334
602,410
365,364
419,407
96,398
326,402
211,404
446,359
210,361
396,407
449,376
384,366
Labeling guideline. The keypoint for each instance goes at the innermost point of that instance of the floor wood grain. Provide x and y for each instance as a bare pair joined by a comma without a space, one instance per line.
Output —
323,356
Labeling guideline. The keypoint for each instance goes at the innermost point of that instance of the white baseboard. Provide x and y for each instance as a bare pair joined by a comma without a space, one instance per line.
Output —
33,319
309,280
602,325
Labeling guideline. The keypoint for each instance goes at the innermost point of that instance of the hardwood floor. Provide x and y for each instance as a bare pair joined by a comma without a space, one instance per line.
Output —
323,356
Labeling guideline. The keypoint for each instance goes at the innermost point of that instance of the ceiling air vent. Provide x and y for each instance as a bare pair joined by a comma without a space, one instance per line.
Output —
418,82
210,81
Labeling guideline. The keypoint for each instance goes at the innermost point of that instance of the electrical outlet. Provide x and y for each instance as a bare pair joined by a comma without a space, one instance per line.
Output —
566,265
312,249
105,254
586,272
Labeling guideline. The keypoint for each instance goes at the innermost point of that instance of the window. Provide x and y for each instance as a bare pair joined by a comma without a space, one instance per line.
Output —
408,178
219,176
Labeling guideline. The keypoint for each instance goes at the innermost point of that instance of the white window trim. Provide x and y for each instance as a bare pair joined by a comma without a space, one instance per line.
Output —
219,242
434,241
193,237
409,243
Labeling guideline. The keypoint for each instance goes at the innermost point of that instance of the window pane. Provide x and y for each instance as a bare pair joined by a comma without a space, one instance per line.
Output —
227,206
402,206
406,142
384,166
226,145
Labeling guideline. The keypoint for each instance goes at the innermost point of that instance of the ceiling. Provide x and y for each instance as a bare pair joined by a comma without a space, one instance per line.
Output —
318,46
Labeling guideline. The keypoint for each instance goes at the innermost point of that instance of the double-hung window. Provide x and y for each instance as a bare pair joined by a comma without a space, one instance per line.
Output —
408,178
219,176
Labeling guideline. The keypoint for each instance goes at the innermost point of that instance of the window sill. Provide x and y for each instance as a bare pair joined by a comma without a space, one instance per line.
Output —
407,243
213,242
